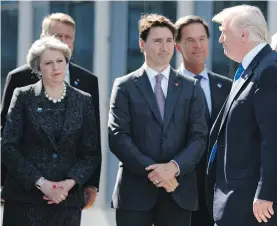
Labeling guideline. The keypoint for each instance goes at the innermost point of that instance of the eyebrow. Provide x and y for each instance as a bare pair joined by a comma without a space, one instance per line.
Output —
201,36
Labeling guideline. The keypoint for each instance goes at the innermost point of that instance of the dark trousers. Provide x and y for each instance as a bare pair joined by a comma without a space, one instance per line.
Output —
26,214
202,216
166,212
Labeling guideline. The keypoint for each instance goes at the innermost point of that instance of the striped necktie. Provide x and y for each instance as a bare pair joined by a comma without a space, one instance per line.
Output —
160,98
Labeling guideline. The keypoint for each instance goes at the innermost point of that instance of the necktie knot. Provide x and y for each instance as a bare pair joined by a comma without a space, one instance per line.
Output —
159,78
239,72
198,77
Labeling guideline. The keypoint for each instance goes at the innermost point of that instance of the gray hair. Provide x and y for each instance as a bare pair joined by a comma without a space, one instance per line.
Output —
246,17
40,45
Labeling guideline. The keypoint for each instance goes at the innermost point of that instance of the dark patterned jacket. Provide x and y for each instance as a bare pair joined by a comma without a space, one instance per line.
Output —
30,151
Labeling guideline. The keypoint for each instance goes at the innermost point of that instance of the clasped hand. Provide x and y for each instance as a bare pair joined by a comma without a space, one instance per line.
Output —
56,192
163,175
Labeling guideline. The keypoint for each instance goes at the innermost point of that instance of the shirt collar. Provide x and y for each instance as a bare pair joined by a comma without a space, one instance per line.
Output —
251,55
67,68
203,73
152,73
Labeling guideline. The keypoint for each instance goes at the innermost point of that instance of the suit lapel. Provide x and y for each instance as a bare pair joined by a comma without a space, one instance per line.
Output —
247,74
72,116
41,111
143,84
215,89
74,79
174,88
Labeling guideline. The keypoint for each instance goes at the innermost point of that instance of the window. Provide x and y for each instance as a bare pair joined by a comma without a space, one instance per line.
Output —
9,30
135,9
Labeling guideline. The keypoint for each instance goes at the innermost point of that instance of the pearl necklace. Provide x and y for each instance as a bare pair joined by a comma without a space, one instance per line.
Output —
54,100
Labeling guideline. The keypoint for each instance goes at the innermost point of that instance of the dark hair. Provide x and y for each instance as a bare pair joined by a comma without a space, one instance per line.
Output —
149,21
187,20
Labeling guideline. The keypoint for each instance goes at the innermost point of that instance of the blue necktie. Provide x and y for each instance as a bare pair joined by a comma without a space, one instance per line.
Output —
198,77
212,157
238,72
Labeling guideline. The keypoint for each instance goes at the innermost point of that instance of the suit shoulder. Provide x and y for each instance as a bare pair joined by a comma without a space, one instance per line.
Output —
220,77
185,78
24,69
126,78
83,71
24,90
80,93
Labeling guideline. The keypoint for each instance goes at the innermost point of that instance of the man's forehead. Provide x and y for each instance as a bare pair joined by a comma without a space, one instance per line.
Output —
189,31
57,26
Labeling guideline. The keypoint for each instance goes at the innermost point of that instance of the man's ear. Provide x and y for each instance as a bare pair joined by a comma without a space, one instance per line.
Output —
141,45
244,36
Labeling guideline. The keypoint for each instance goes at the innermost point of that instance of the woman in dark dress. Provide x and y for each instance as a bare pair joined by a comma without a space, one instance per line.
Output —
48,144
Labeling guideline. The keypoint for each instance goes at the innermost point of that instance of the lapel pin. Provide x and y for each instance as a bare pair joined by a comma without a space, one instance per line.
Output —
39,110
76,83
219,85
176,84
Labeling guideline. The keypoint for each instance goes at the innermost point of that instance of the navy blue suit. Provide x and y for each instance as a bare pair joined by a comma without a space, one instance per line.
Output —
245,166
139,137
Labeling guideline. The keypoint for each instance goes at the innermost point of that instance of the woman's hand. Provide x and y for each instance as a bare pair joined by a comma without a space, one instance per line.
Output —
53,192
64,187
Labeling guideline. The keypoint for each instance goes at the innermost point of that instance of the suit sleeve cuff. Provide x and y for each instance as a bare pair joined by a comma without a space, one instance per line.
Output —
178,173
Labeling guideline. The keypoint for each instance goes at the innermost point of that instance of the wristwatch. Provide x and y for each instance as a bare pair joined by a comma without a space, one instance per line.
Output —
40,182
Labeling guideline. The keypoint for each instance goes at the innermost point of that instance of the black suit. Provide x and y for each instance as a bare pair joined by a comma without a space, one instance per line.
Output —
220,88
139,137
246,156
30,149
79,78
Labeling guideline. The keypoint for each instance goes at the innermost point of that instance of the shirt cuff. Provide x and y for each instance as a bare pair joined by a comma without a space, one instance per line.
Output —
178,173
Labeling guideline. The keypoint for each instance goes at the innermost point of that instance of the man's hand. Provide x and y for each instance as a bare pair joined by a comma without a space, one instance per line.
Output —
170,186
61,187
90,197
263,210
163,175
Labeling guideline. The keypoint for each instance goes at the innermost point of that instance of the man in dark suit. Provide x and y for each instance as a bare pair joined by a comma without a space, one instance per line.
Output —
192,41
63,27
243,160
157,130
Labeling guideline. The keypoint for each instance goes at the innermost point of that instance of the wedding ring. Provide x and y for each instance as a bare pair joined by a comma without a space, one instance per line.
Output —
156,181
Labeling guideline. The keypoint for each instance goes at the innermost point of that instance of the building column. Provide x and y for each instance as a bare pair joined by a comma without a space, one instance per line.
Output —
184,8
102,70
272,17
118,67
25,30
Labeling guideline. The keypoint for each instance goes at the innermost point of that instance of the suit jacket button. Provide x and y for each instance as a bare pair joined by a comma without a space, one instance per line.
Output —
54,155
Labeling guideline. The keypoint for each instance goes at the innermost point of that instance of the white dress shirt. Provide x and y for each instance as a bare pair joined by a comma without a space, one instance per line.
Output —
248,59
151,73
67,75
251,55
204,83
